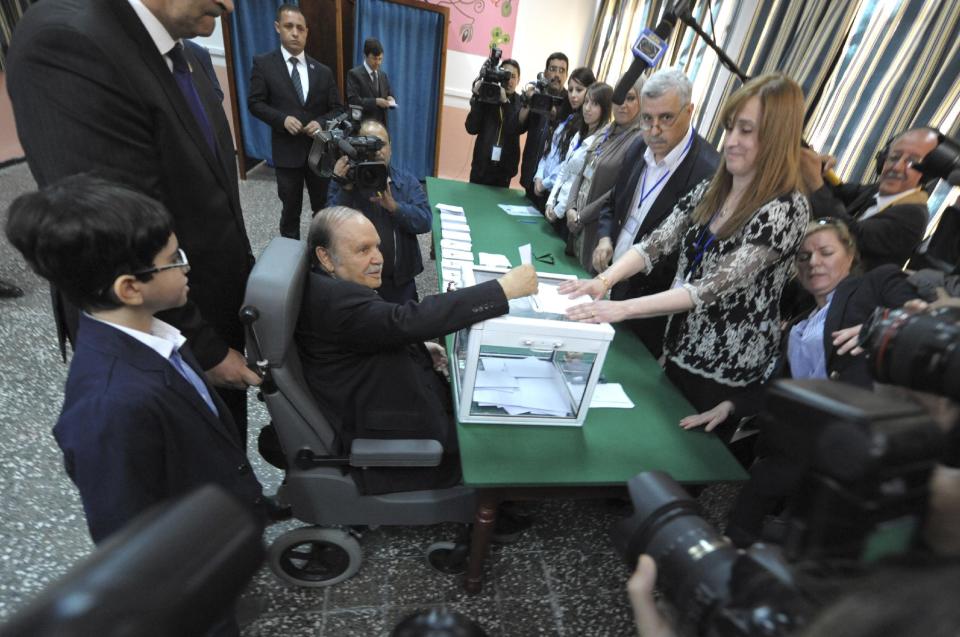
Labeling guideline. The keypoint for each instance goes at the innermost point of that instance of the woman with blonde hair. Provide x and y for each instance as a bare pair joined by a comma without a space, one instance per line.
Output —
736,236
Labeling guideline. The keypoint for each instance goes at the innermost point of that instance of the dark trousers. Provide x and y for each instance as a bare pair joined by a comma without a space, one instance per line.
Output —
705,394
290,190
389,291
500,181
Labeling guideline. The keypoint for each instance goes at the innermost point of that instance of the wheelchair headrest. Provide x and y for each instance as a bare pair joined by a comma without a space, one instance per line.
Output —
275,289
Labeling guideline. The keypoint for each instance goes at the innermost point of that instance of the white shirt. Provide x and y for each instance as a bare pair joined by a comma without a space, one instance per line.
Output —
370,74
163,337
158,33
301,68
652,180
884,201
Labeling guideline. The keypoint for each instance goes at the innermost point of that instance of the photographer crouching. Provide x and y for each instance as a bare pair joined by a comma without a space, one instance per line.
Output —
496,151
397,208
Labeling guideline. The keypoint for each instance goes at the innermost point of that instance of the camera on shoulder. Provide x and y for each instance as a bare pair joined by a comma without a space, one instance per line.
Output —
492,78
337,138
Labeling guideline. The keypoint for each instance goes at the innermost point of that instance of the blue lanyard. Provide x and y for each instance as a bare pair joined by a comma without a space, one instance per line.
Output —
700,248
643,183
599,148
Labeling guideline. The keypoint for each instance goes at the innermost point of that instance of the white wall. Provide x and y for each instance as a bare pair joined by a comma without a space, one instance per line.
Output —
214,44
543,26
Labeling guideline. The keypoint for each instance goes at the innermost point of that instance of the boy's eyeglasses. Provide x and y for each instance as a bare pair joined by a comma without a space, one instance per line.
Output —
179,261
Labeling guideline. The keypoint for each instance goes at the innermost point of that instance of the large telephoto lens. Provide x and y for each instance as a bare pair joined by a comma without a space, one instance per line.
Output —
694,561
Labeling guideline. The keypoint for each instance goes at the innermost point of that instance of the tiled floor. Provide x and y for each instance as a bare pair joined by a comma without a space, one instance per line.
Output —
561,578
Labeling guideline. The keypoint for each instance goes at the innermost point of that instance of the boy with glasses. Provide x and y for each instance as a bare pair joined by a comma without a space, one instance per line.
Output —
139,424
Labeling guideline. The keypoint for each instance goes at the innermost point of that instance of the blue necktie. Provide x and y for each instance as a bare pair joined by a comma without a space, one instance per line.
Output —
182,75
194,379
295,77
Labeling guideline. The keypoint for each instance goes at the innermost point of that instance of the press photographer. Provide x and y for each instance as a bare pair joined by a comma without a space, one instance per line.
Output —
492,118
337,140
399,209
539,124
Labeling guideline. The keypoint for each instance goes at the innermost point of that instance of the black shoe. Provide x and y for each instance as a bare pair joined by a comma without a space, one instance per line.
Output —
9,290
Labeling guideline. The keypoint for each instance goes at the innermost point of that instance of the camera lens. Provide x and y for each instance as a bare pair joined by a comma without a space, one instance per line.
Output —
693,560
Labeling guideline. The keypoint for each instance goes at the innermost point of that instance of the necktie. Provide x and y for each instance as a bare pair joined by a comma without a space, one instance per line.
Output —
376,82
181,73
295,77
193,378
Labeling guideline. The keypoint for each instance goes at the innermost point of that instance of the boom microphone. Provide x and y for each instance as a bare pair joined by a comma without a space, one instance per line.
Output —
647,51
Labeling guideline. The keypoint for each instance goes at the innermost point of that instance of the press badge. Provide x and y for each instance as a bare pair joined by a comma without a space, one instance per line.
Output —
495,153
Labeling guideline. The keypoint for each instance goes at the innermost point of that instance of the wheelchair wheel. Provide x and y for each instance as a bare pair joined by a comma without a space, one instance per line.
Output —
313,556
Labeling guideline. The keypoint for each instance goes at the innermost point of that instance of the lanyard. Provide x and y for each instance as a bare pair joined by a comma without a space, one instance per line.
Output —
643,183
599,148
700,248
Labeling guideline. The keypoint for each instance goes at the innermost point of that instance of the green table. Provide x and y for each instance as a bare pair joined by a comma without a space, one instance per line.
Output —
513,461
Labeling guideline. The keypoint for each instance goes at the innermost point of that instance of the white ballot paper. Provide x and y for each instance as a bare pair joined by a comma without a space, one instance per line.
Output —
493,260
454,226
451,216
456,236
466,246
463,255
526,254
550,301
519,211
610,395
451,209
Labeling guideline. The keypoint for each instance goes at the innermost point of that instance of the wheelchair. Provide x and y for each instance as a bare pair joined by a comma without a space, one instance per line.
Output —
318,486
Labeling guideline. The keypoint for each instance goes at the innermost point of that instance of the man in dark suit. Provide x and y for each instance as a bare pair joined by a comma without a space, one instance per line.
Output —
496,150
365,358
293,93
368,85
669,160
888,218
106,85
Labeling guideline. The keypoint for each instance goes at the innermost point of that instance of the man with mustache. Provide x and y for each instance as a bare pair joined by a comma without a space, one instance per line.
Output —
888,218
539,126
365,359
107,85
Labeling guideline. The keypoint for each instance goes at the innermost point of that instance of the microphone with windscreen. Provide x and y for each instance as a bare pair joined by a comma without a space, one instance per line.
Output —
647,51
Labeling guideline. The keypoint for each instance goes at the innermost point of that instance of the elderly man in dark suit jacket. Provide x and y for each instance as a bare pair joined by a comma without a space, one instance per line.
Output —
365,359
106,85
368,85
888,218
293,94
669,160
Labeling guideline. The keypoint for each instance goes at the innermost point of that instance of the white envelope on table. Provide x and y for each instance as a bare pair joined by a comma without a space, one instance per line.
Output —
466,246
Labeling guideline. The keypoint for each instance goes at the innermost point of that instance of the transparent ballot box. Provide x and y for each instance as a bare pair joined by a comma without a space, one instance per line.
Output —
531,366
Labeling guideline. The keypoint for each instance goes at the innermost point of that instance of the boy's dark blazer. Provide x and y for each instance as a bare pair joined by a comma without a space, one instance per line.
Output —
134,432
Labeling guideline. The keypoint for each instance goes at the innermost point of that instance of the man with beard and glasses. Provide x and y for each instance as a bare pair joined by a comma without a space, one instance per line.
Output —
539,126
888,218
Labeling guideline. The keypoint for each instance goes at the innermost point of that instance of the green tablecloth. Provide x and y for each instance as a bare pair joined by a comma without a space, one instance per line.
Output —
614,444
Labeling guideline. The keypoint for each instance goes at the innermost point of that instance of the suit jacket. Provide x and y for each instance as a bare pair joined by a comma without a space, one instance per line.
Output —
361,92
700,163
854,300
890,236
134,432
206,65
368,369
91,91
272,98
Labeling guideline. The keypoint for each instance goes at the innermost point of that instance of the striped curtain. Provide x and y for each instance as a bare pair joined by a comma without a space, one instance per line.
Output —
10,12
869,68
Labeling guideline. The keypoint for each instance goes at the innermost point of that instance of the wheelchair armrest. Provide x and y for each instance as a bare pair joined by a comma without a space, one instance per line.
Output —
367,452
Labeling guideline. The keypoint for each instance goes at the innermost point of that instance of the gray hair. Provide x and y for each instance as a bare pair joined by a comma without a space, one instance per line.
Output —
323,226
668,80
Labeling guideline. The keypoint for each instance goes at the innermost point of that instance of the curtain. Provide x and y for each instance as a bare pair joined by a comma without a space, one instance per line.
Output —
412,40
252,33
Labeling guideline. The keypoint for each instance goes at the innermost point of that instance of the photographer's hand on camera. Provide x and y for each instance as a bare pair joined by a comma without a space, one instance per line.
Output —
846,340
293,125
340,170
385,199
650,621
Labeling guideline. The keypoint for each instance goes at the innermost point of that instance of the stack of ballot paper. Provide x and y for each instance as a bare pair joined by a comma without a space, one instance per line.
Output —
521,386
549,300
456,245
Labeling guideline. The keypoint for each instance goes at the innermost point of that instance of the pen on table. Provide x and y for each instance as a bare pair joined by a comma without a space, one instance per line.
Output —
526,221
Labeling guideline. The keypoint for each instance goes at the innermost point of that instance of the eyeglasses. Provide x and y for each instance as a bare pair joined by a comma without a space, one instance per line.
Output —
179,261
662,121
556,69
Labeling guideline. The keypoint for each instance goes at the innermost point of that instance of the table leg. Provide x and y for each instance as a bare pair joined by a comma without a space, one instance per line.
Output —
483,525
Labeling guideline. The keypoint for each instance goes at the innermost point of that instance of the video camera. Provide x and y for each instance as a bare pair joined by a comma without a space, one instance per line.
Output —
864,461
544,97
336,139
492,78
942,162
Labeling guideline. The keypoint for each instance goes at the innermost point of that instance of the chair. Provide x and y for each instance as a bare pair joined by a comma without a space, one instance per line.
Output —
318,486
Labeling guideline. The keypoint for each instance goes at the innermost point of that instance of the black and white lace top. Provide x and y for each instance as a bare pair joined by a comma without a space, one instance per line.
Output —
732,334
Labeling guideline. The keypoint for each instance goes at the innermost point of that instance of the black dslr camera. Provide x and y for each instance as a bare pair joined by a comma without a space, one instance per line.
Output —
336,139
864,461
492,78
545,97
